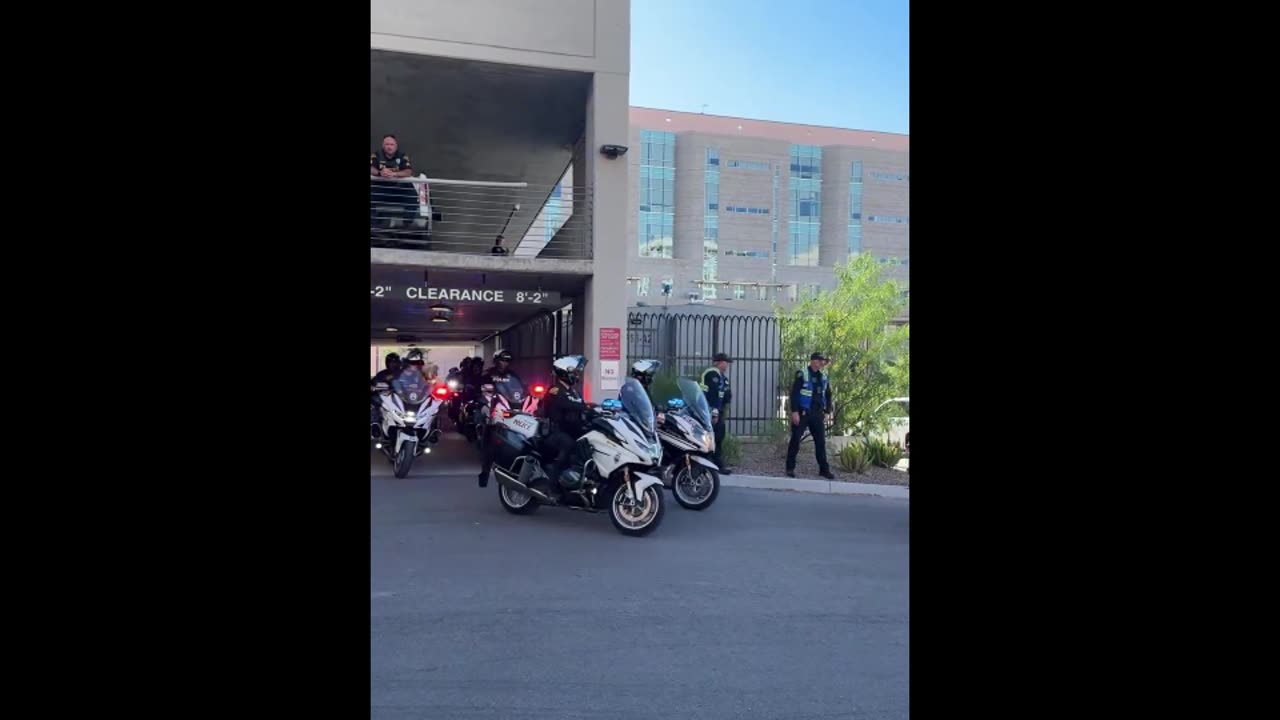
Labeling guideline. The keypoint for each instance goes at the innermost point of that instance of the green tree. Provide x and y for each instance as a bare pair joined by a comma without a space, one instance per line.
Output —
870,357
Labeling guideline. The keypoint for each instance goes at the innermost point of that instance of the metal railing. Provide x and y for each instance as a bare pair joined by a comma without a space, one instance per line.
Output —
685,344
480,218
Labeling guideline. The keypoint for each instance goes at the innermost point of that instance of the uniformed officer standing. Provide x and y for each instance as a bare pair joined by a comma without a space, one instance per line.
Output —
394,199
810,401
715,384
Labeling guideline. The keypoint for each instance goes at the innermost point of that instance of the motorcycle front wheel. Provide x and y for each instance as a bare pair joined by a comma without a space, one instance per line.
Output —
404,459
696,487
640,517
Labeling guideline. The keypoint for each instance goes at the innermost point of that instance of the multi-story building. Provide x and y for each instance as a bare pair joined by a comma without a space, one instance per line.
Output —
747,213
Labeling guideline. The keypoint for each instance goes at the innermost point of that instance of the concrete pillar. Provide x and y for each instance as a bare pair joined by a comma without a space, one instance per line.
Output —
604,304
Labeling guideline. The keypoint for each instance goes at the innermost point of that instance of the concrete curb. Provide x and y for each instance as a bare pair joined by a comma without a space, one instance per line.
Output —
824,487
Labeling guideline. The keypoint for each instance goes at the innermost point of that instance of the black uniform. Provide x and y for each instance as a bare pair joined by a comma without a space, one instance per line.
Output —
492,376
395,199
715,385
563,407
375,399
811,419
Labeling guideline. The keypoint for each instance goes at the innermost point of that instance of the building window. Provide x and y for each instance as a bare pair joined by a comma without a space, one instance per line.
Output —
773,227
806,205
748,164
889,219
711,223
745,210
806,161
657,194
642,287
762,292
891,177
793,292
739,292
804,244
855,208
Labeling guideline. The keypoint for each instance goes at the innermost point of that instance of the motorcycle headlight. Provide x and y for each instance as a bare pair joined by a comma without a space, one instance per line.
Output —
410,417
708,442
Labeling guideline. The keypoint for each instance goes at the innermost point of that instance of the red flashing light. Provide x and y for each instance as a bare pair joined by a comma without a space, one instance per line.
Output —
538,390
442,391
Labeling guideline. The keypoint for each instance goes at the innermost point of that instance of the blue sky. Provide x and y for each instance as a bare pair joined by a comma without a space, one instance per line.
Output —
842,63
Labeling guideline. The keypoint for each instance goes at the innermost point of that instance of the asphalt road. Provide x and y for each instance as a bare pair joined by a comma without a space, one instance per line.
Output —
767,605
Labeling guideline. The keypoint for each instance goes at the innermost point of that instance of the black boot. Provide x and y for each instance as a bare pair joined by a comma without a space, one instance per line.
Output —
484,478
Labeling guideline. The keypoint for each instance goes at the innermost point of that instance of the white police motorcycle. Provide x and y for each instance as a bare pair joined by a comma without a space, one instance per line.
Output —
688,442
614,465
409,408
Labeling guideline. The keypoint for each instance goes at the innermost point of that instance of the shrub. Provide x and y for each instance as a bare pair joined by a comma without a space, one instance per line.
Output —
883,454
853,457
890,456
731,452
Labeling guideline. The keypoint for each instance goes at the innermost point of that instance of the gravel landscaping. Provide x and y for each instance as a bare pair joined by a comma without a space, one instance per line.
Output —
762,458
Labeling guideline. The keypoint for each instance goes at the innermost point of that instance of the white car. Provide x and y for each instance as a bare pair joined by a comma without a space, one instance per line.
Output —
899,432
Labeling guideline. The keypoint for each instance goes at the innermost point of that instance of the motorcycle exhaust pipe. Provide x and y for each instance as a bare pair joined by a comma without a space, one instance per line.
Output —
515,484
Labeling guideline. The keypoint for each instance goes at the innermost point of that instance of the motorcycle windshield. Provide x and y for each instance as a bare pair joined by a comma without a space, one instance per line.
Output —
412,387
695,402
510,388
635,402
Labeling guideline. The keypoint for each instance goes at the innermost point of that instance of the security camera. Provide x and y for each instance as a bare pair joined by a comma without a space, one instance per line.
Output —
613,151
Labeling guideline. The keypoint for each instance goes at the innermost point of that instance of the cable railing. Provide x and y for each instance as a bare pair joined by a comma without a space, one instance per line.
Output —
476,217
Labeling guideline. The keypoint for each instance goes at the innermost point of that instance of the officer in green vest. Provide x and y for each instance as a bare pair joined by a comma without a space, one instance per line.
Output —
715,384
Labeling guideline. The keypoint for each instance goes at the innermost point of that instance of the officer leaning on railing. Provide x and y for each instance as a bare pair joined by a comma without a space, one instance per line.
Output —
388,198
810,403
715,384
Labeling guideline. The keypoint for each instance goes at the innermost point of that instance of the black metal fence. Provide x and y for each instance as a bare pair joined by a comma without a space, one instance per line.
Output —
685,344
537,342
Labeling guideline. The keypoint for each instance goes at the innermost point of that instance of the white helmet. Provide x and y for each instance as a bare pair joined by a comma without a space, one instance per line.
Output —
569,368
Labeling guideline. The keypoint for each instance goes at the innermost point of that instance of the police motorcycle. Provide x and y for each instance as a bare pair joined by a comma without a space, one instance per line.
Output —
612,469
475,412
409,407
688,443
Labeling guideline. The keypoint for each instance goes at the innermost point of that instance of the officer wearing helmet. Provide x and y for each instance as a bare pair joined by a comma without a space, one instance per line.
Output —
644,370
386,375
564,407
500,371
715,385
810,403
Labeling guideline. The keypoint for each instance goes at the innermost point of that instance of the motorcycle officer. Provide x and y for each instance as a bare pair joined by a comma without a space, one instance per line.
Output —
563,408
494,375
386,375
643,371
